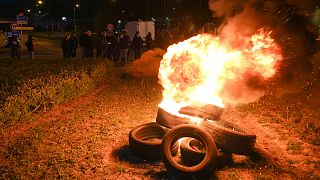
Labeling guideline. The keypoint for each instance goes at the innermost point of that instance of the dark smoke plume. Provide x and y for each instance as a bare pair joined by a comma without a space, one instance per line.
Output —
290,22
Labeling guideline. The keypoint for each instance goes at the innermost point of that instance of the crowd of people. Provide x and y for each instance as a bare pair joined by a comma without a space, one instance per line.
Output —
107,45
15,45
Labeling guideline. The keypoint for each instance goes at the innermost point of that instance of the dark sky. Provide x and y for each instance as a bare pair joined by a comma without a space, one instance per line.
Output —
116,8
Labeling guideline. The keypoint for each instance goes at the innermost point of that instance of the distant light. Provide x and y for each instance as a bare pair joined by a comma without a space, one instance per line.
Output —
174,8
119,21
153,19
64,18
39,12
77,5
40,2
167,18
123,11
29,10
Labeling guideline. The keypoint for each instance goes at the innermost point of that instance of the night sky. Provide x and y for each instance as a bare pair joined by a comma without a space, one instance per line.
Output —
113,9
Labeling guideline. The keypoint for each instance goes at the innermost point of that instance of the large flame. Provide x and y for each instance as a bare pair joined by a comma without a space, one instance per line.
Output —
200,70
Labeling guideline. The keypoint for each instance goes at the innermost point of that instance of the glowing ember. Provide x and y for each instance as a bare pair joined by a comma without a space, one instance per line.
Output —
210,70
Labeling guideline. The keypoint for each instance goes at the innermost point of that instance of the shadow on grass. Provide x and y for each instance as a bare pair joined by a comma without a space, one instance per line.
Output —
124,154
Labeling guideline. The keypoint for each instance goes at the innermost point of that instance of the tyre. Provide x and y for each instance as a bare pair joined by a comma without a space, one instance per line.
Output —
205,168
145,141
168,120
192,153
209,111
230,137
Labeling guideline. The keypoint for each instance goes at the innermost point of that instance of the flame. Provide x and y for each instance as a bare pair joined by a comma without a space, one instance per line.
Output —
196,71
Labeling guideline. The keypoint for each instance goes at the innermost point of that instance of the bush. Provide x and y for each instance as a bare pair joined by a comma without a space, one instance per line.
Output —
32,86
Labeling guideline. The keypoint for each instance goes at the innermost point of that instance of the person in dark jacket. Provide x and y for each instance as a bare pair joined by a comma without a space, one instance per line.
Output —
15,46
112,45
74,45
149,41
30,44
137,45
101,45
66,46
88,44
124,41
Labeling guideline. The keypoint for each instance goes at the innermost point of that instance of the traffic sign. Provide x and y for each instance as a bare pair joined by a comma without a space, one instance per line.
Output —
21,28
13,26
110,27
22,19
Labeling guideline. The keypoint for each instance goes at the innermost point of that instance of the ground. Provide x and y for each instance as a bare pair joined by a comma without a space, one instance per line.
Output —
88,138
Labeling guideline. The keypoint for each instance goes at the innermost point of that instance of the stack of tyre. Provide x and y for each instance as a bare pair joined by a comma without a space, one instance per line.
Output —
189,151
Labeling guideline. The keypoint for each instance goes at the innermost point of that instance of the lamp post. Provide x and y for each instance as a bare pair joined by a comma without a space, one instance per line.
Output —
74,16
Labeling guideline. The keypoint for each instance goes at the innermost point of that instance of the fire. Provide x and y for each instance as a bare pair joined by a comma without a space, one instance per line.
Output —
198,70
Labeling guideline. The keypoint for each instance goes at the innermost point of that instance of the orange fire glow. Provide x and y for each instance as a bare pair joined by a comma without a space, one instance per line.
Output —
200,70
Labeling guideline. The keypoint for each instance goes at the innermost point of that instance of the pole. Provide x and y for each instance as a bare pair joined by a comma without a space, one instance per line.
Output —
74,17
21,42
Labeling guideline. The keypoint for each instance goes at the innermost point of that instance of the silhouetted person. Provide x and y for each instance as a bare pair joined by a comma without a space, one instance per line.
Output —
30,44
124,41
137,45
66,46
74,44
149,41
15,46
112,45
88,44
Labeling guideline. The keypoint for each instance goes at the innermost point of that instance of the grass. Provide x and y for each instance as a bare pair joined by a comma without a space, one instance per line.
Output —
294,146
32,86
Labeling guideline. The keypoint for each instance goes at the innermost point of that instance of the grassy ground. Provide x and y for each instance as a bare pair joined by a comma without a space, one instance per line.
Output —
88,138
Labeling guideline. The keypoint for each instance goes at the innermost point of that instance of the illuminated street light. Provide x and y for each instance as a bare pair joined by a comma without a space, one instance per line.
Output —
74,15
28,10
40,2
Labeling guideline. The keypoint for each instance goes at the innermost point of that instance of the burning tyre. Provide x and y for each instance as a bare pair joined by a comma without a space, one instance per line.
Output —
208,111
204,168
230,137
168,120
192,153
145,141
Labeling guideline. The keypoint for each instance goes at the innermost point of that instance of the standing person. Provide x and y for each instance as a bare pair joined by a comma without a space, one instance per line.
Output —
88,44
15,46
66,46
30,44
81,41
137,44
149,41
124,41
112,44
100,45
74,44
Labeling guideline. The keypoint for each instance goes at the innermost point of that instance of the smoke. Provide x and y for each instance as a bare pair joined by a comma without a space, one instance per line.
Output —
292,27
148,64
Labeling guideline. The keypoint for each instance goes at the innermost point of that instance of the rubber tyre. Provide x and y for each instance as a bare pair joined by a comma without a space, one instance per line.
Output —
230,137
205,168
208,111
191,156
168,120
140,144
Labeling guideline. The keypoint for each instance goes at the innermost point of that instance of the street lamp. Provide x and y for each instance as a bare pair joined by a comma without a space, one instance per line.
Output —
40,2
74,16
